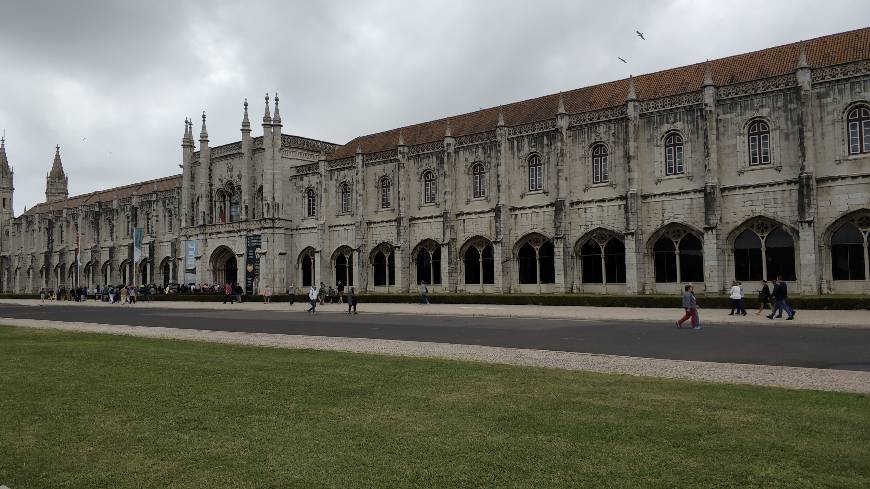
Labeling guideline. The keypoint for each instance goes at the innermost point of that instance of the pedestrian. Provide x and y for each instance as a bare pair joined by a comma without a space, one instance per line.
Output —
267,295
690,306
312,299
134,293
321,292
291,294
228,293
780,297
734,294
351,300
124,295
238,291
340,287
763,297
42,294
424,293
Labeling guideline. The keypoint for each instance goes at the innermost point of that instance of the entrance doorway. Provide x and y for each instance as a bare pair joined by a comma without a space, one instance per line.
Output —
224,266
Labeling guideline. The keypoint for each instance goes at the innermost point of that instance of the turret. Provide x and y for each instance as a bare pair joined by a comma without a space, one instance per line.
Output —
6,187
187,189
56,184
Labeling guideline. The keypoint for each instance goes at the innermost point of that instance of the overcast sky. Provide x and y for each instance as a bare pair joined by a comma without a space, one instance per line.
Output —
112,82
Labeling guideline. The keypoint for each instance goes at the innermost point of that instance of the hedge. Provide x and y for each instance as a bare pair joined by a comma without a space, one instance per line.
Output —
666,301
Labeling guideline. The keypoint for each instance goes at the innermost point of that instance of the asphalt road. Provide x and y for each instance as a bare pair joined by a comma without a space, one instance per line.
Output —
803,346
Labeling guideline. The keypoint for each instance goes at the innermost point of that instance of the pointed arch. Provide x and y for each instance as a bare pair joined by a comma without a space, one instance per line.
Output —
306,265
478,261
601,255
342,264
848,239
676,251
763,248
535,257
383,265
427,261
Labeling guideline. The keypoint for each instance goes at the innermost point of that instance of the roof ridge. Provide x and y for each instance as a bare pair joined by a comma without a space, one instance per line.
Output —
641,80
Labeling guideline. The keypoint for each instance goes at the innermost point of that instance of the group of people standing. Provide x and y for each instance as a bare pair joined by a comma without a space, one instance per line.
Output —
340,294
779,296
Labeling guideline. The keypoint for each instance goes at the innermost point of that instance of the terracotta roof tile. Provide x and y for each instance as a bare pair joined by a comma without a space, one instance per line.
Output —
140,188
823,51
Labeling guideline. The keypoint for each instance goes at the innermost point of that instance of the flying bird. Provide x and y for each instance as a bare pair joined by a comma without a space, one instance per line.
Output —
84,139
640,35
621,59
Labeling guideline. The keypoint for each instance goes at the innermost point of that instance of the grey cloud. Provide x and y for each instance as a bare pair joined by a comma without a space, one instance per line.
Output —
125,74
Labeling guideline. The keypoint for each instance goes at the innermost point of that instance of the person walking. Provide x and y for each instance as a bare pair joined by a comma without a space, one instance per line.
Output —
124,298
228,293
291,294
424,293
690,306
321,292
351,300
780,296
312,299
134,293
734,295
267,295
763,297
42,294
340,288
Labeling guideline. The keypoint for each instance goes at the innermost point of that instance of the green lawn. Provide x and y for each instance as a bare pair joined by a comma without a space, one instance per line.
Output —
99,411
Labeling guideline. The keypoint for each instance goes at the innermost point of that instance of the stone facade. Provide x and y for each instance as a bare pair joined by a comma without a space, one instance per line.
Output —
740,167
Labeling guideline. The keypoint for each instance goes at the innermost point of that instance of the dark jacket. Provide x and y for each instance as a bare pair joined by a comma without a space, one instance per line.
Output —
764,293
780,291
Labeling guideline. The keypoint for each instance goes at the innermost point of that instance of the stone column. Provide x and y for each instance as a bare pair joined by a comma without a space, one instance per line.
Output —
633,284
446,259
714,261
809,277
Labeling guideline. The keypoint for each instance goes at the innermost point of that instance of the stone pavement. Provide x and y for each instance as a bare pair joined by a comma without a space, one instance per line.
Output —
816,318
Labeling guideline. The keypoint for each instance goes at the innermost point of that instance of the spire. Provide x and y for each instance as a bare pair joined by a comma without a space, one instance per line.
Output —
708,75
632,95
560,110
246,124
56,165
277,118
187,140
4,163
448,133
267,119
802,58
203,134
500,122
56,181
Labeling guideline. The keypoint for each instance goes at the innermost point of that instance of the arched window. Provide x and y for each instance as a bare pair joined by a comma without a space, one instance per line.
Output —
674,154
600,173
678,257
858,120
759,143
221,200
344,198
386,192
428,260
235,205
344,266
384,266
602,264
536,261
310,203
258,203
536,173
478,181
307,265
430,187
764,251
479,263
848,248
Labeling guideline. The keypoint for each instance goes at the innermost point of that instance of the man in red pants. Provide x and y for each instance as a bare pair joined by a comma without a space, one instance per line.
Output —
690,304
